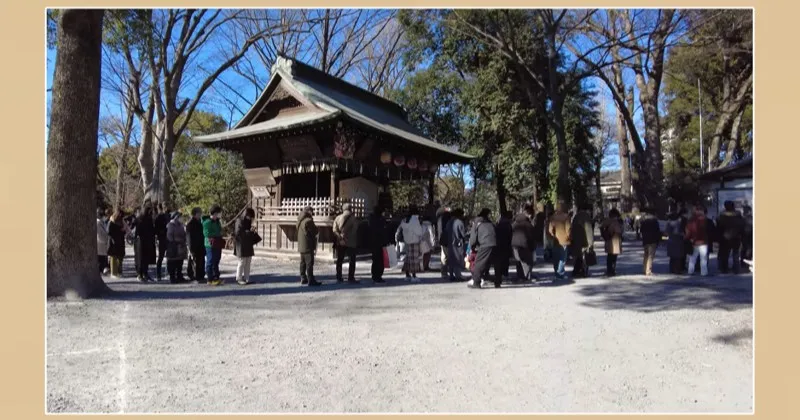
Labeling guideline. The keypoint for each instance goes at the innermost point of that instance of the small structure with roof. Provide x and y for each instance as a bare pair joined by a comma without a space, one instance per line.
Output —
731,183
311,139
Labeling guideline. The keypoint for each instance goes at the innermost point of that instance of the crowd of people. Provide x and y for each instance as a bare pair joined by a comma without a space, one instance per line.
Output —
481,245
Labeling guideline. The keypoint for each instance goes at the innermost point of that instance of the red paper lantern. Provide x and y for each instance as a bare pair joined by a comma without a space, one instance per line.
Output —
423,166
412,163
399,161
386,158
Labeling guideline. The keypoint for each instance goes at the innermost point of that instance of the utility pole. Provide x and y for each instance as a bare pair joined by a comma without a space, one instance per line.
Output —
700,107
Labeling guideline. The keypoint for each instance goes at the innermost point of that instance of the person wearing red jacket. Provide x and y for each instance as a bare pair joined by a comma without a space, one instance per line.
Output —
697,234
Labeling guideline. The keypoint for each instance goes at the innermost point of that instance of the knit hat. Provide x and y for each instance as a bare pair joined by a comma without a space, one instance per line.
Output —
175,214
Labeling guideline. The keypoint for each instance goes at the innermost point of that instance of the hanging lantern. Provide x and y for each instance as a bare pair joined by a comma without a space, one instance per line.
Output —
412,163
386,158
399,161
423,166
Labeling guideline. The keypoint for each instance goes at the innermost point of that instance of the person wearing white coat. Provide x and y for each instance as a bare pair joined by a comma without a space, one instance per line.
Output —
412,236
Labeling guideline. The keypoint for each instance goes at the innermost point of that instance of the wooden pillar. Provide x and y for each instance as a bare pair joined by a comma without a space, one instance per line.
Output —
431,185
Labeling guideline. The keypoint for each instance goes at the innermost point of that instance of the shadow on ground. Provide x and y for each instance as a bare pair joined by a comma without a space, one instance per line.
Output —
728,293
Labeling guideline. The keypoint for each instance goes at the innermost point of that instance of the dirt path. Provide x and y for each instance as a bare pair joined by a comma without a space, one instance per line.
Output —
597,345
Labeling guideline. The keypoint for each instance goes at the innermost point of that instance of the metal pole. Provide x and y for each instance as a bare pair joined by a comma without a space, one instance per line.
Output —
700,106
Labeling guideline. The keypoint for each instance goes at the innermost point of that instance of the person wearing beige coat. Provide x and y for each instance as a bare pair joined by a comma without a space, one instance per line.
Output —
558,226
345,230
611,231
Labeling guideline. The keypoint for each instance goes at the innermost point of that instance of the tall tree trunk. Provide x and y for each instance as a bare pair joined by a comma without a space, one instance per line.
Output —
122,165
734,143
563,190
598,191
638,174
72,157
624,164
501,189
653,158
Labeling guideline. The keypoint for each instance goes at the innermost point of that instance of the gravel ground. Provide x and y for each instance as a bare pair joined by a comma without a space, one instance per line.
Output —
630,344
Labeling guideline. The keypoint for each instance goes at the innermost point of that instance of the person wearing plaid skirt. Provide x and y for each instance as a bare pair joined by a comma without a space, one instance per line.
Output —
412,235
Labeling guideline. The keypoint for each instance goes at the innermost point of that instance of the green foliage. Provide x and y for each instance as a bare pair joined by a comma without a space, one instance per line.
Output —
204,176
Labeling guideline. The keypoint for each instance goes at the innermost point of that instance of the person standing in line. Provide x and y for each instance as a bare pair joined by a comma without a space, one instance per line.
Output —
442,218
559,227
426,243
503,233
697,234
413,235
117,230
145,244
212,231
548,240
483,240
345,230
102,241
376,223
651,236
161,221
539,220
611,232
711,237
176,248
197,247
582,240
244,241
130,238
456,235
747,235
307,246
731,229
523,243
675,244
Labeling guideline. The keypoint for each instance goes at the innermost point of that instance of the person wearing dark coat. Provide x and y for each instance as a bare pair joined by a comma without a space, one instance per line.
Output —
611,232
731,230
697,233
650,233
502,250
711,236
747,235
307,246
539,229
162,219
197,249
176,248
376,224
117,230
483,239
442,218
456,235
244,240
676,244
145,245
523,243
582,240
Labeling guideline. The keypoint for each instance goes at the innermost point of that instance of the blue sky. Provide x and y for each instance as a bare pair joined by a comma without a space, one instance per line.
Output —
247,93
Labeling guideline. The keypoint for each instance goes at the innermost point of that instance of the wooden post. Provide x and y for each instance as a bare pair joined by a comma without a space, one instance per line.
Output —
431,184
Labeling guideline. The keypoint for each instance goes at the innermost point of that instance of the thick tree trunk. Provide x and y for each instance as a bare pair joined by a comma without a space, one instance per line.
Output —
734,143
563,190
638,174
501,189
122,166
597,189
72,267
653,158
624,164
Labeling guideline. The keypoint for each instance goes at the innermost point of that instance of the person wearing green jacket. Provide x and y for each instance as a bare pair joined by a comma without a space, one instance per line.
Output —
212,231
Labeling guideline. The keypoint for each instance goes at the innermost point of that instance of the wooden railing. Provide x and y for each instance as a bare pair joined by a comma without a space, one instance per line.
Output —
324,208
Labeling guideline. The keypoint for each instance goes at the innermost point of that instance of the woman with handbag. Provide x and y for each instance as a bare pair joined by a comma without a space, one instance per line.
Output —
245,238
176,248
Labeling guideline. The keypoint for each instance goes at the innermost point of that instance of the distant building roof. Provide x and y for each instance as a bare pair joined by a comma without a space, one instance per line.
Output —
331,97
740,169
610,177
